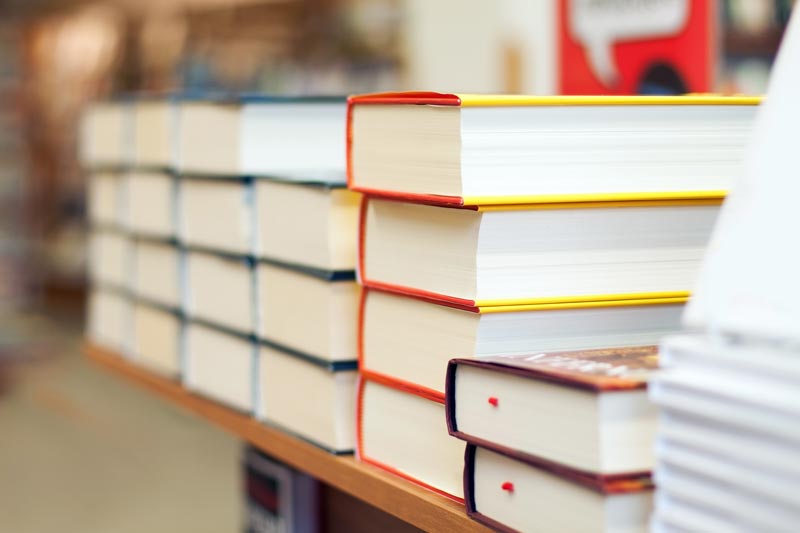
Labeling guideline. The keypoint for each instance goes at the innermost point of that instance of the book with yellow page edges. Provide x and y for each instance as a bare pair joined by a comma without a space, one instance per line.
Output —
505,256
485,150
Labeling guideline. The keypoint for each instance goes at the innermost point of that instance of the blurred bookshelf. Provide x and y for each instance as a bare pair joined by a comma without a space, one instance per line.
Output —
750,36
392,495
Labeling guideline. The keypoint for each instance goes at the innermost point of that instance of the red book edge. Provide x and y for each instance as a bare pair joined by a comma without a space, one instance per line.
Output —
390,381
615,486
410,98
428,296
363,378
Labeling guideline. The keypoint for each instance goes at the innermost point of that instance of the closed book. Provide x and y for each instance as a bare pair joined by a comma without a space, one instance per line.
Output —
293,302
152,203
323,412
509,494
220,365
309,225
220,290
537,253
109,318
155,132
110,258
411,339
585,410
156,342
157,272
106,135
405,433
216,214
492,149
292,138
105,201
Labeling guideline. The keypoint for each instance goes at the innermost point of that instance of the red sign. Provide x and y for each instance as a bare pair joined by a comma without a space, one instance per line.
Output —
636,46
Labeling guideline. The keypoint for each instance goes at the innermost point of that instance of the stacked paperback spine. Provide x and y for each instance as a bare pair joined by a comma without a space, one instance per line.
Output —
230,262
515,227
730,404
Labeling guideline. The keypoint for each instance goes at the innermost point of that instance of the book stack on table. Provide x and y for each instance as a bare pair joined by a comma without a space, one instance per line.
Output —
548,244
231,254
504,226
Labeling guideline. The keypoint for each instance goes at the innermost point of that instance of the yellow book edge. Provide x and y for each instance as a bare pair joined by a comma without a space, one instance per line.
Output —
561,201
488,100
581,302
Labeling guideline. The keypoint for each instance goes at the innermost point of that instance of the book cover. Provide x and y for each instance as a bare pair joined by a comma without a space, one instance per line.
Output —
606,369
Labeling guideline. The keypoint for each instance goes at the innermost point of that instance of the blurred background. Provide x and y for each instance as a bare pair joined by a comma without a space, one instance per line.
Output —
88,463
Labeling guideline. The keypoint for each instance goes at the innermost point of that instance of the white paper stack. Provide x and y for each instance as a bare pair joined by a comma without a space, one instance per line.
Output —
729,440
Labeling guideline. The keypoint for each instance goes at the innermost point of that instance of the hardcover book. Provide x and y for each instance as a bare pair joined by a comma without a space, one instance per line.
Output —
110,258
152,203
155,131
216,214
509,494
323,412
109,318
220,290
221,365
157,272
156,340
106,135
308,225
535,254
404,432
293,302
459,149
290,138
585,411
105,201
411,339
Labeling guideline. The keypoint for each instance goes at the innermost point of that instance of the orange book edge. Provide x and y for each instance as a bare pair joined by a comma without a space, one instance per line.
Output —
363,378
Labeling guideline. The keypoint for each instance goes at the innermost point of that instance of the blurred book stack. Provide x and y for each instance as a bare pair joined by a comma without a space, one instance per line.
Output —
501,226
106,146
223,252
728,440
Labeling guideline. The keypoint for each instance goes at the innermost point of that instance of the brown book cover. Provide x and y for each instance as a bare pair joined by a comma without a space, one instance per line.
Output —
615,485
600,370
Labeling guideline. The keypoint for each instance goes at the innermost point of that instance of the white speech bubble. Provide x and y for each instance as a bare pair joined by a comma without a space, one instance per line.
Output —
598,24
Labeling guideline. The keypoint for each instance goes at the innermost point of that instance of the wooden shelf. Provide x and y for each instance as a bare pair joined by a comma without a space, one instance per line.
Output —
415,505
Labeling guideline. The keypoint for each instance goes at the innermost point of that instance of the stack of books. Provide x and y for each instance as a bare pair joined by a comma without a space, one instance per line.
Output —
728,440
554,431
516,225
237,252
105,152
